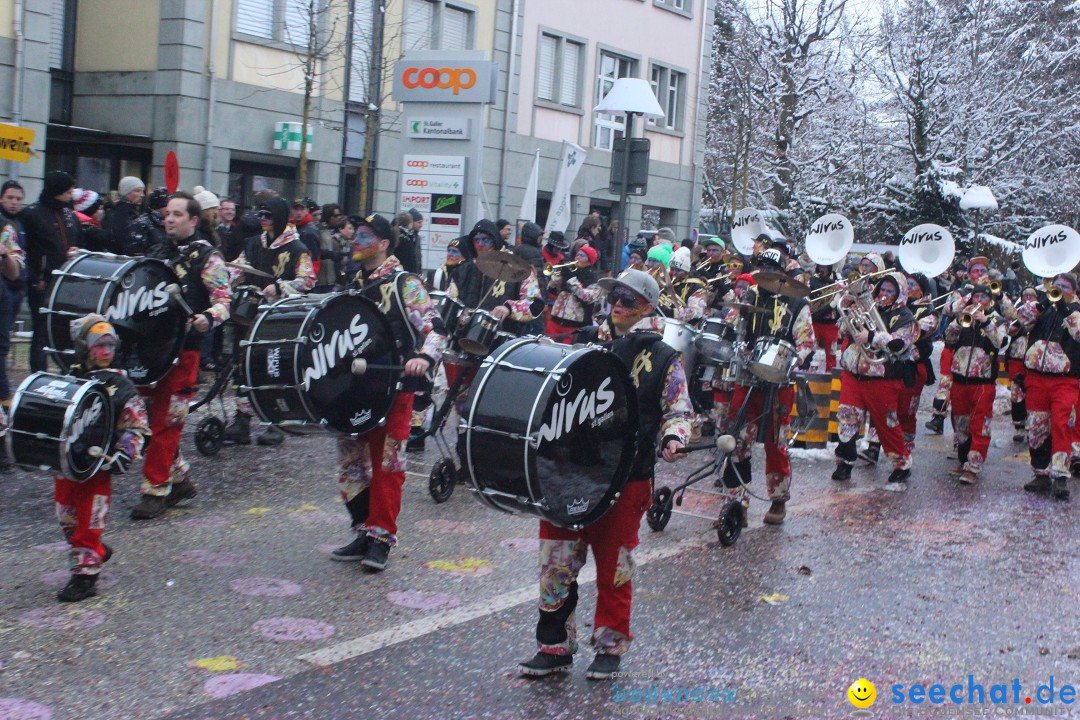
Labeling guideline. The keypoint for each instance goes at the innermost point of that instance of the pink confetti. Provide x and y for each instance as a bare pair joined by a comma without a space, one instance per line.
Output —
422,600
292,629
57,618
266,587
521,544
223,686
447,526
53,547
19,709
59,579
211,558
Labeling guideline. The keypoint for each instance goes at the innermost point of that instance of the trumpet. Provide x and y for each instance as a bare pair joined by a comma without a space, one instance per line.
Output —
995,287
1053,294
702,266
550,269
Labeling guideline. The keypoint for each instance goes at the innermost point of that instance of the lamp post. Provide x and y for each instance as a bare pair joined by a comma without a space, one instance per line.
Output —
628,97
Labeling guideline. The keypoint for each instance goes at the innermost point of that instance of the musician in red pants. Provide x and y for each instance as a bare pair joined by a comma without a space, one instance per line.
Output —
204,284
373,464
82,507
664,407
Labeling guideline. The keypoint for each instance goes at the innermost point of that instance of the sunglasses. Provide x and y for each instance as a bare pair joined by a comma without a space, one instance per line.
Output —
625,296
264,215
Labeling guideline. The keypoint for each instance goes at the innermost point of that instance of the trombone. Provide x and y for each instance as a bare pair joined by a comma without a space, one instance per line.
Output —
854,277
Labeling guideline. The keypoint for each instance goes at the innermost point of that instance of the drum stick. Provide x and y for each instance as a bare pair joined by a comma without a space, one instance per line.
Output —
178,295
97,451
361,366
724,443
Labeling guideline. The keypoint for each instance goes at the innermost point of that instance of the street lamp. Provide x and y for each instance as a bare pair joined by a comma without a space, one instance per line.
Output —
628,97
978,198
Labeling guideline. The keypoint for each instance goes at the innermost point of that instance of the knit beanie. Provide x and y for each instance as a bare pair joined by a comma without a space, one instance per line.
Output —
589,253
84,199
89,330
56,183
661,253
206,199
129,184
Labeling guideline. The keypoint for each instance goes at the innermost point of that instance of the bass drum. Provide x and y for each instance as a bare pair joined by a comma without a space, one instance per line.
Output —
133,294
550,430
55,420
298,363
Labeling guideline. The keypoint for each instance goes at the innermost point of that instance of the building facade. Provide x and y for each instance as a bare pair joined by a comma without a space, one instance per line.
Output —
111,86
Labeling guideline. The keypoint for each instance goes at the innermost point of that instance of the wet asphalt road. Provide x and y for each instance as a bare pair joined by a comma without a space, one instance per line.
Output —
235,589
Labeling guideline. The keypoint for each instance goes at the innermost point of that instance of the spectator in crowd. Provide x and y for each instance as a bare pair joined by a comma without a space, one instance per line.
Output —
506,229
308,229
589,232
408,242
664,236
118,220
90,211
331,218
231,243
51,230
209,217
12,287
148,229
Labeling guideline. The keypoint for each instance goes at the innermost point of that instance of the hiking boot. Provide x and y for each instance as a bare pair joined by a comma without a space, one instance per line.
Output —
936,424
377,554
966,478
1061,489
273,436
542,664
871,453
1039,483
149,507
180,491
239,430
957,471
899,476
776,513
415,444
603,667
79,587
1019,435
354,551
842,472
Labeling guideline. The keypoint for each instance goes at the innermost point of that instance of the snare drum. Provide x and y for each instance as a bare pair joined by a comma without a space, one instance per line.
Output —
716,341
479,333
680,335
55,420
246,300
772,360
298,363
449,308
550,430
132,294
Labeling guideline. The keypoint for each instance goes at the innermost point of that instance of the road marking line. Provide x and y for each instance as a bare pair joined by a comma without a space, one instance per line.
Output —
424,626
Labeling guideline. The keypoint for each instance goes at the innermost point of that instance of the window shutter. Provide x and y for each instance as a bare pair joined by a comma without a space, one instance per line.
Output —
362,47
56,34
455,29
255,17
545,68
419,24
571,66
297,19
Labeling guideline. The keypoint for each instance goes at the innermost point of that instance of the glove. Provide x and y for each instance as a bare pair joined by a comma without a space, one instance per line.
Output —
120,463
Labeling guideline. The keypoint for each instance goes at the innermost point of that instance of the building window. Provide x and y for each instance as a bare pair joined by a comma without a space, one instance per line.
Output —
609,127
558,71
436,25
682,7
362,51
286,21
669,86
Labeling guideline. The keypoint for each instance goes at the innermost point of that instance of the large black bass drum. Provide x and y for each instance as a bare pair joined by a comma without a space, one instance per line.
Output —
55,420
133,294
298,363
550,429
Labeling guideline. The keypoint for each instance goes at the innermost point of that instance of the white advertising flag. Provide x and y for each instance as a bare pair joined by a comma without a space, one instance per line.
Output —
528,203
573,157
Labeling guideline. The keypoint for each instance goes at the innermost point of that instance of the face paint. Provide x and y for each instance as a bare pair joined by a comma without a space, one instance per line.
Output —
364,244
581,259
102,353
867,266
453,256
977,271
714,250
887,294
1063,284
913,289
652,263
741,288
483,243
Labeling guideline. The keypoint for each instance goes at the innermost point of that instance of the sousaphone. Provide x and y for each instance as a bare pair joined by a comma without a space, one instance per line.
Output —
1051,250
928,249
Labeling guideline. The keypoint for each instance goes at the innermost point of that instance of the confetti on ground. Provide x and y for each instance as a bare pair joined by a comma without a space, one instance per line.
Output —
422,600
225,685
774,599
306,507
59,578
19,709
221,663
62,618
266,587
470,567
292,629
257,511
211,558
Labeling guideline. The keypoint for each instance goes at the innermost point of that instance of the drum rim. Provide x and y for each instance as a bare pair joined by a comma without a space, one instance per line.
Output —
266,311
751,365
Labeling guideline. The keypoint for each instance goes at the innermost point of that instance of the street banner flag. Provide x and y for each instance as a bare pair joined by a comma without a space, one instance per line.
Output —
528,203
573,157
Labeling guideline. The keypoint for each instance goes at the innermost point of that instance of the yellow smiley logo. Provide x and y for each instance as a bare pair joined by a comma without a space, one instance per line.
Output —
862,693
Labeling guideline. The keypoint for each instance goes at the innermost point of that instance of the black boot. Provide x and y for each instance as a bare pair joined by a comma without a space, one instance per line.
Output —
354,551
542,664
273,436
1060,490
871,453
1038,484
377,555
239,430
936,424
899,476
603,667
842,472
79,587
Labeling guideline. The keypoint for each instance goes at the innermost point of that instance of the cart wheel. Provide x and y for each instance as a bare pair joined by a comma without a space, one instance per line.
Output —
730,523
659,512
209,435
441,480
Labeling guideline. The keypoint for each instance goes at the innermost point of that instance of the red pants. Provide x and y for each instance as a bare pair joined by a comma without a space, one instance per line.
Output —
168,402
82,509
825,334
972,411
907,404
554,328
879,397
777,464
562,555
375,462
1050,402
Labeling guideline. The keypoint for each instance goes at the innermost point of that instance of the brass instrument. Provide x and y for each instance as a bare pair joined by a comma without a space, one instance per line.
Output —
854,277
550,269
862,314
1053,294
995,287
702,266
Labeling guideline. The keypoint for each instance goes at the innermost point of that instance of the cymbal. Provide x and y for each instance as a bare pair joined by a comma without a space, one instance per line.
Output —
503,266
248,269
781,284
743,307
